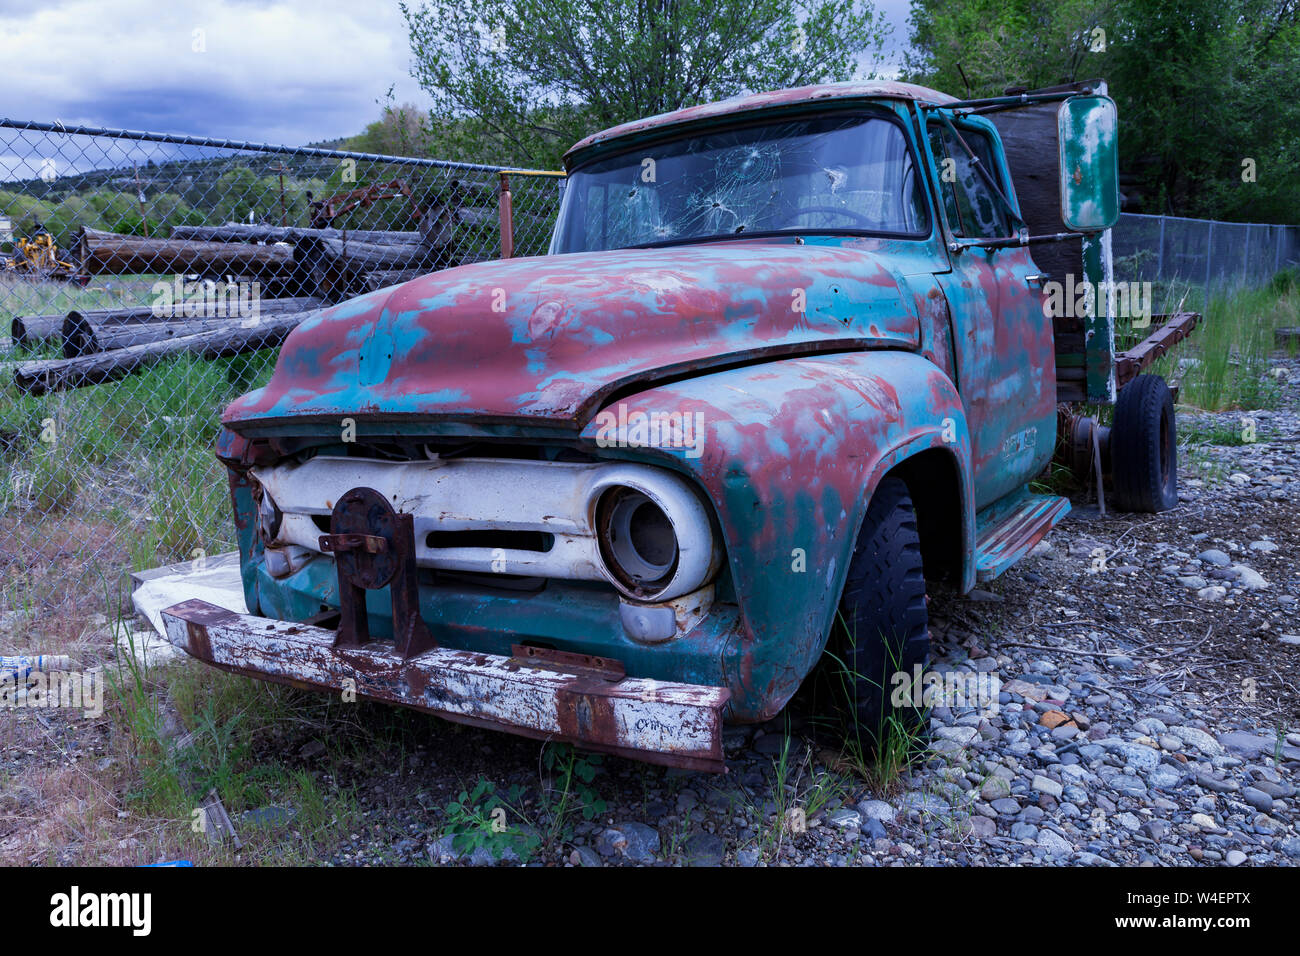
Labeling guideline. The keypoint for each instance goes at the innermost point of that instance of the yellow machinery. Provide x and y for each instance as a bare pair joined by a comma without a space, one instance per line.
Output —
38,256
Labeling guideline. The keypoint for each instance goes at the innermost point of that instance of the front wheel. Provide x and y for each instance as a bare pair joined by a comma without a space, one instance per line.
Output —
1144,447
884,613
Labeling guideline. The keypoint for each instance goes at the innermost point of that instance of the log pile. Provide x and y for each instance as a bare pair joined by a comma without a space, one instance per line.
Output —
301,270
39,377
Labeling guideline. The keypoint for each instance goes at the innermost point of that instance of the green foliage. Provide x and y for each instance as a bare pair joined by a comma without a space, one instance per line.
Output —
522,81
1201,85
477,819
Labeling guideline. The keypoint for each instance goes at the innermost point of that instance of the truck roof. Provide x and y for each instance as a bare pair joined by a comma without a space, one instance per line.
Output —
872,89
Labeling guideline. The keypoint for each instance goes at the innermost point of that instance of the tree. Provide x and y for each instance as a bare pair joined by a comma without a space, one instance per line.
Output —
1201,86
519,81
996,44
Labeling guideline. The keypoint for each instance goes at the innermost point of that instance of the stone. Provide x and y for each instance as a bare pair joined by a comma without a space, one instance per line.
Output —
1053,719
1249,578
1235,858
995,788
1054,843
635,841
845,819
703,849
1215,557
1212,593
876,810
1258,799
1044,785
1199,739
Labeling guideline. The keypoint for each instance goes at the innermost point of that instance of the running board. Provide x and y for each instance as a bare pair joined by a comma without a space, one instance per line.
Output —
1007,530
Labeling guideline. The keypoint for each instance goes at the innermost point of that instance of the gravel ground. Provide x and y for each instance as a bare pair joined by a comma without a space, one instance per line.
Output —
1149,699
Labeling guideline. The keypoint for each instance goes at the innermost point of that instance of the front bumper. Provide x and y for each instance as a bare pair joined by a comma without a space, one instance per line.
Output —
674,724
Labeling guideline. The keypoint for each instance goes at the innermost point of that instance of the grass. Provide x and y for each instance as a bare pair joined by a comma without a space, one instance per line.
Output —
1224,365
135,454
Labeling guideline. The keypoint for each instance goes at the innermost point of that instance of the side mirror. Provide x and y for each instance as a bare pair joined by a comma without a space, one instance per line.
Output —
1088,130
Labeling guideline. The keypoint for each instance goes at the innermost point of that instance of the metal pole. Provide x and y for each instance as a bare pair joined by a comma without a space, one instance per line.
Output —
1160,261
505,210
1209,253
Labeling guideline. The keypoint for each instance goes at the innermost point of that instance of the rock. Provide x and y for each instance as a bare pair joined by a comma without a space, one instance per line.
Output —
1265,547
873,828
845,819
635,841
1054,843
1215,557
1053,719
703,849
1206,782
1139,757
1204,821
1193,581
958,735
982,827
876,810
1212,593
1235,858
983,596
747,858
585,856
1006,807
1199,739
1044,785
1249,578
1025,832
1150,726
995,788
1258,799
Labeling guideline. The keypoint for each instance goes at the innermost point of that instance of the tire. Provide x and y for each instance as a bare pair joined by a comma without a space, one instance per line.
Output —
1144,447
883,609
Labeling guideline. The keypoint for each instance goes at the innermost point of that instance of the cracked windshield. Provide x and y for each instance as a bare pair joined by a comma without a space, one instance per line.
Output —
847,174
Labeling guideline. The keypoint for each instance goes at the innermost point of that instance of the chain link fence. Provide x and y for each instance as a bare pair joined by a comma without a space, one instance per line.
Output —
1200,257
146,280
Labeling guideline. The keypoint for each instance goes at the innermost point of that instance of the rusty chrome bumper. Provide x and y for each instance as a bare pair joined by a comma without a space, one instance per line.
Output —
678,725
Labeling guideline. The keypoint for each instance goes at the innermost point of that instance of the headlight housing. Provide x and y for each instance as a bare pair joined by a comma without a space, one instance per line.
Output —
655,537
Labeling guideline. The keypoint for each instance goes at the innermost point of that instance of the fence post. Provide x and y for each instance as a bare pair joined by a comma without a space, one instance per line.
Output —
505,210
1160,261
1209,256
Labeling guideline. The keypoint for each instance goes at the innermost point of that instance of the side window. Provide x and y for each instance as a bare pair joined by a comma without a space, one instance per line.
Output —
973,210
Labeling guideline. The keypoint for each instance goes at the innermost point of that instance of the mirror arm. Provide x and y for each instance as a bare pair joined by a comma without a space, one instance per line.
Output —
1023,239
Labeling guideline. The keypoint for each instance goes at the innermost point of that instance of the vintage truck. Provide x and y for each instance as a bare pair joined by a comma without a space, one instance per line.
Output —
787,360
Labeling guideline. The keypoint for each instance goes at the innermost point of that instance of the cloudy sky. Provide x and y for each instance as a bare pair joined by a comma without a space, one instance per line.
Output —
279,71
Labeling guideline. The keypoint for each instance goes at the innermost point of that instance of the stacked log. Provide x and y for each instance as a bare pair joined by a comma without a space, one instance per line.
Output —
39,377
33,331
107,253
89,331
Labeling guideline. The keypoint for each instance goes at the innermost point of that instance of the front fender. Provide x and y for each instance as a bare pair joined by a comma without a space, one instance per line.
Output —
789,453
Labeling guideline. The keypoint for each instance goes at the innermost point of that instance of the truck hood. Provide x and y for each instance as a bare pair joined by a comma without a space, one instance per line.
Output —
549,340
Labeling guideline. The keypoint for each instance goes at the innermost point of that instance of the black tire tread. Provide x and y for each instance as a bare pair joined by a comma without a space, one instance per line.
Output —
1136,475
884,603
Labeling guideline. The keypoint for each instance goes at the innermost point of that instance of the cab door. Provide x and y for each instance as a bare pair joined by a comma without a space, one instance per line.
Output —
1006,366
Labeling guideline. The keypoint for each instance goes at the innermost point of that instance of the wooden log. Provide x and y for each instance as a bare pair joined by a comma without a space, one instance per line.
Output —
107,253
32,331
89,331
37,378
245,232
